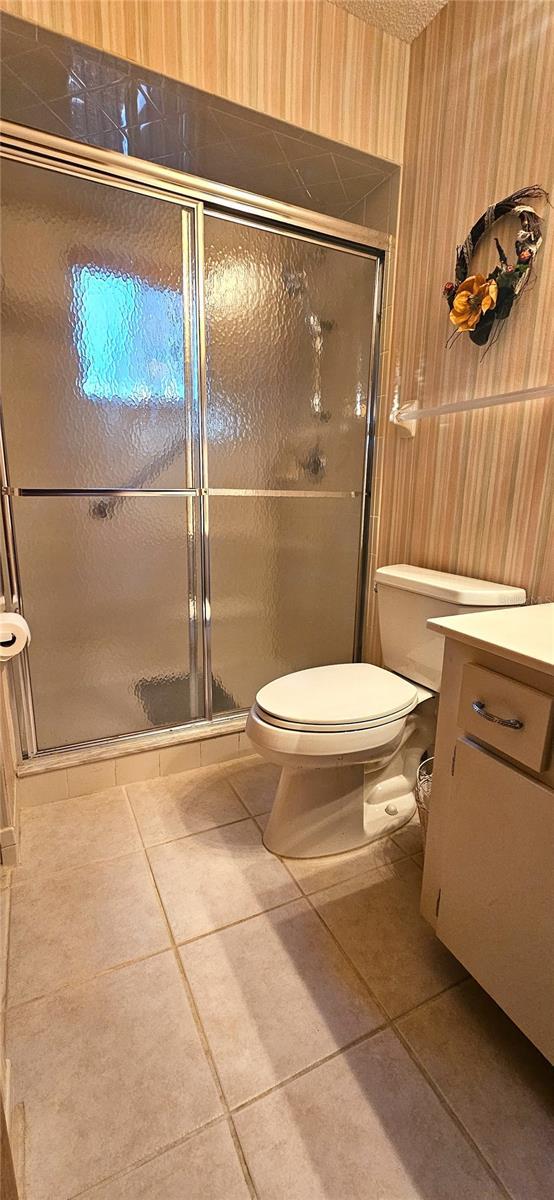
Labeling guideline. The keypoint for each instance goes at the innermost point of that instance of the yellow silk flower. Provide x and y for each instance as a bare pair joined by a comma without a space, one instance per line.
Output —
475,296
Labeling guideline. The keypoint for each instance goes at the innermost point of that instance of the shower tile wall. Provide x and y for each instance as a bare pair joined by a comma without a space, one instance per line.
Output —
63,87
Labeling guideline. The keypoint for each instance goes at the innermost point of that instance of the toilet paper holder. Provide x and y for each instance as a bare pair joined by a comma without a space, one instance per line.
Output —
15,635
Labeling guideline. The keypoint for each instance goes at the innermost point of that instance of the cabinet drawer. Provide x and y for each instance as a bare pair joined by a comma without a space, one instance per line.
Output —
486,694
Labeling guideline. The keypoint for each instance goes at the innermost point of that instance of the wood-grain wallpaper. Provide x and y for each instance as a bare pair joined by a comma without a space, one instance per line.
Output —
472,492
304,61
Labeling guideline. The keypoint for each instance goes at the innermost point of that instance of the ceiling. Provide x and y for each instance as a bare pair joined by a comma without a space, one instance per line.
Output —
405,19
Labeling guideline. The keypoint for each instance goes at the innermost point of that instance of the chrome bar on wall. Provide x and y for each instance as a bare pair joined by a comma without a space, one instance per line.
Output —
404,414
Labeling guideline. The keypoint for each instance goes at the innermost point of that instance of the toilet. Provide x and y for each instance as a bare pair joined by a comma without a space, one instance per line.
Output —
349,737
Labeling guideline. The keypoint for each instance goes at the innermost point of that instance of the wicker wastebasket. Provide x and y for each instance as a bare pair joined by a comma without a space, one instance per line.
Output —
424,783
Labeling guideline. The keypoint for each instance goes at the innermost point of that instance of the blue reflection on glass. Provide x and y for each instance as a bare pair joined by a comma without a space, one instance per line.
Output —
129,338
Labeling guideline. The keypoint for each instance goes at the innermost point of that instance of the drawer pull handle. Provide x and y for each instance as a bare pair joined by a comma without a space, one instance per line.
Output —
507,722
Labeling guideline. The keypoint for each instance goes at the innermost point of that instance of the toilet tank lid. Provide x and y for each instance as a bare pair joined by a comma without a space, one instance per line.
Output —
456,589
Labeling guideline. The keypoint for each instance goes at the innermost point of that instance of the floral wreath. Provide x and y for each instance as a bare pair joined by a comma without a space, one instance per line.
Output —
476,302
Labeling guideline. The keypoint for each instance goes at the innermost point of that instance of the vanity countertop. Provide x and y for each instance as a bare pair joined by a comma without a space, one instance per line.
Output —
523,634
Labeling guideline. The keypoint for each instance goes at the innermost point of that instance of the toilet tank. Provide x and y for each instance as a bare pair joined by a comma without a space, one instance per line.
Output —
406,599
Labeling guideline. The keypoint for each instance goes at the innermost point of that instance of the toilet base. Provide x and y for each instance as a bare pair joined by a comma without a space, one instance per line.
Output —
322,811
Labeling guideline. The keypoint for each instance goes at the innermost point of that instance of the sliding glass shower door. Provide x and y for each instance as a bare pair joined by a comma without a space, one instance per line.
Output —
185,446
288,339
98,399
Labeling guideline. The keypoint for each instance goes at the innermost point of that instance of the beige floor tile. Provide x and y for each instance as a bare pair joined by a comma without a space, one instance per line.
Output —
206,1167
409,837
70,833
376,918
498,1084
217,877
110,1072
312,874
177,805
256,784
364,1126
82,921
281,981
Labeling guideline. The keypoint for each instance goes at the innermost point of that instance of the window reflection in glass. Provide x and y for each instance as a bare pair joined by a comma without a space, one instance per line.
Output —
129,338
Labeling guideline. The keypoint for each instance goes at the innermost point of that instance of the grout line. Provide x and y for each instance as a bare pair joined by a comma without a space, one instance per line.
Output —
242,1158
441,1097
122,1172
343,952
450,987
141,848
359,874
199,937
391,1023
390,1017
39,878
183,837
202,1036
389,1020
228,1112
201,1031
232,785
78,980
277,1087
204,1039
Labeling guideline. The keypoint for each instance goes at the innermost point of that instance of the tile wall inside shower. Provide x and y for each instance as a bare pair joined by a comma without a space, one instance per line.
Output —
59,86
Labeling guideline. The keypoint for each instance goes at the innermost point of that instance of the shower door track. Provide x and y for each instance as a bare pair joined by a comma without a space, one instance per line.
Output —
62,155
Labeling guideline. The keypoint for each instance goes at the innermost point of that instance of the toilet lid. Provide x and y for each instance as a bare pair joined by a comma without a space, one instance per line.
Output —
349,695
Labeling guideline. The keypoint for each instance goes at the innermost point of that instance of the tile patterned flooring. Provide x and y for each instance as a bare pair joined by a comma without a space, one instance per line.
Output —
190,1018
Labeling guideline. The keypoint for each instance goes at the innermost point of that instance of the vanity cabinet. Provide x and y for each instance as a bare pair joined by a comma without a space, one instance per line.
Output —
488,886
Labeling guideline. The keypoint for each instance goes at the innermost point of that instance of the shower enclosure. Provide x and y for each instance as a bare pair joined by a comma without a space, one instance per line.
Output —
186,429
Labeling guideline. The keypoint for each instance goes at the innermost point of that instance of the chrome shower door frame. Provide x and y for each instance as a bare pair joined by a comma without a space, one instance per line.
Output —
197,197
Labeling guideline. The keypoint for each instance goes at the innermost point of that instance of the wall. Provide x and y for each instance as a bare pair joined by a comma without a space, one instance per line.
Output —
470,493
304,61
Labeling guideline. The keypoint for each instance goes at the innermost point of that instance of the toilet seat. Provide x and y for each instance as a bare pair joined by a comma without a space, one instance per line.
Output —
348,697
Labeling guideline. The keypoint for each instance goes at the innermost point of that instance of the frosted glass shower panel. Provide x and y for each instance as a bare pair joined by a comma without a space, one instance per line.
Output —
96,334
109,592
288,330
283,587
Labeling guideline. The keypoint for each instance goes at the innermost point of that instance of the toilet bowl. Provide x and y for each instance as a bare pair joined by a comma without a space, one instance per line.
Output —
349,737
